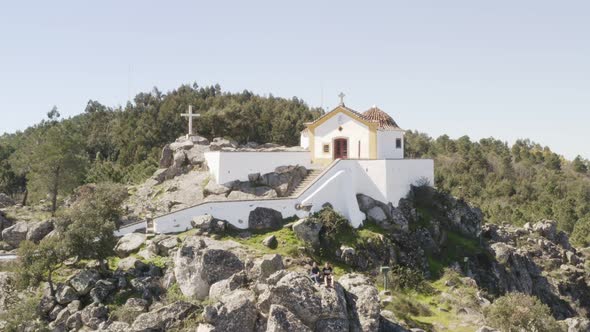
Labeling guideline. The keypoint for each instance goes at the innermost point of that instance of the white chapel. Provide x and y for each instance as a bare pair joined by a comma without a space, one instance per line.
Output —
347,152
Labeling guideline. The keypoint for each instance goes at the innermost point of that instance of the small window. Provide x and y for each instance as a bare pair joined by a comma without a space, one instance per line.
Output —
326,148
398,143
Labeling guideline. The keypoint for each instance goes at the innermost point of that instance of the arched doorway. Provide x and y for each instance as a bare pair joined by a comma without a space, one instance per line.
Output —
340,148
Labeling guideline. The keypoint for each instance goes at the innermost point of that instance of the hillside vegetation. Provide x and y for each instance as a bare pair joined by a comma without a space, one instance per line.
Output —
123,144
516,184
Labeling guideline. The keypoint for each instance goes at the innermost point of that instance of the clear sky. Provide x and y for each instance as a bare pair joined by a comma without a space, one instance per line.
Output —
507,69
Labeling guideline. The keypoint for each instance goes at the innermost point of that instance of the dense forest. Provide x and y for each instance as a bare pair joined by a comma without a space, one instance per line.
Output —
515,184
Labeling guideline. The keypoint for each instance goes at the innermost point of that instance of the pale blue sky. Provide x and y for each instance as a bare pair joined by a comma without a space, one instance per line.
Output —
507,69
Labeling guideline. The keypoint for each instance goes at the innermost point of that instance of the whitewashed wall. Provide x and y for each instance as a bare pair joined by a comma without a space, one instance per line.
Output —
386,148
131,228
384,180
304,139
352,129
227,166
403,173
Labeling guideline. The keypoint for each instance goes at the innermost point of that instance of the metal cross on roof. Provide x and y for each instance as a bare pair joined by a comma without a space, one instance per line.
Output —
341,96
190,115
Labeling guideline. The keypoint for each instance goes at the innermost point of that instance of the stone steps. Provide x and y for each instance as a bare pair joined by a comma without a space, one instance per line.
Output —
311,176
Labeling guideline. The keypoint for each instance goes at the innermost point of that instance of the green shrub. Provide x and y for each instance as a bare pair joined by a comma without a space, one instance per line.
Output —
520,312
403,278
581,234
23,316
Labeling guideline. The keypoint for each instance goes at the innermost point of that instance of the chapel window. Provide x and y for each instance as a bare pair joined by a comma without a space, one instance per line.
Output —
326,148
398,143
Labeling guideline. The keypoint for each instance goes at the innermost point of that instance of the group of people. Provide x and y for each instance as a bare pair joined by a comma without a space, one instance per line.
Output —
322,276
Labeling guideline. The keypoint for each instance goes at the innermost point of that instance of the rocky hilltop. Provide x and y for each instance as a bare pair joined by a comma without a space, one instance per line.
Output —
446,269
447,266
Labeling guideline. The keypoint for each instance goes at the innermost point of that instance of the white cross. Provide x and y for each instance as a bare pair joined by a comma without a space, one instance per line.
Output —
341,95
190,115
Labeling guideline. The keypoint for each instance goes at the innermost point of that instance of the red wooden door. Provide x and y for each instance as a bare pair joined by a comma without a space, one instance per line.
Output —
340,148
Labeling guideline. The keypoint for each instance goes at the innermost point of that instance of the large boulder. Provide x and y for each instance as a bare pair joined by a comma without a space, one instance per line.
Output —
65,294
38,230
266,265
363,298
84,280
280,319
197,267
316,306
6,201
212,188
93,315
265,218
15,234
308,231
129,243
234,312
102,290
464,217
181,144
164,318
226,286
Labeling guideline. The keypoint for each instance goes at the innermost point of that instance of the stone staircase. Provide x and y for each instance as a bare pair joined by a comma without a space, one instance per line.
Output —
311,176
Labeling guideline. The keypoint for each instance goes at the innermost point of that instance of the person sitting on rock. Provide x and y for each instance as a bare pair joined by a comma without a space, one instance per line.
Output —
327,272
315,273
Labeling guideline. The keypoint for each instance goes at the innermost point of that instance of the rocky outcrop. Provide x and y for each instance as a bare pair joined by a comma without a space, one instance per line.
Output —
535,260
235,311
197,266
363,302
180,157
308,230
6,201
384,215
83,281
15,234
265,266
129,243
38,230
164,318
280,319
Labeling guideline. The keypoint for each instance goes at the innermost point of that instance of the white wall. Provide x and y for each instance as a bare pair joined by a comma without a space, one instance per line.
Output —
386,148
227,166
352,129
131,228
403,173
304,139
384,180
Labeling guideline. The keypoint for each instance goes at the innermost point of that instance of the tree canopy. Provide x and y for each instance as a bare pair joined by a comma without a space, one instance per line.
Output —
521,183
123,144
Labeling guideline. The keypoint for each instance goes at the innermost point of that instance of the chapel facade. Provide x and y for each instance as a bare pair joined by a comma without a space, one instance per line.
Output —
344,133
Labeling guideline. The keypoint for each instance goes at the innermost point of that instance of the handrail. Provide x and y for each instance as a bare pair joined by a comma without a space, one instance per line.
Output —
332,164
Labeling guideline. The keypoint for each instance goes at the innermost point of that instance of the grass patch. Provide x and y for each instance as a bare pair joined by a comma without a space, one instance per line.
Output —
456,249
420,310
289,244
